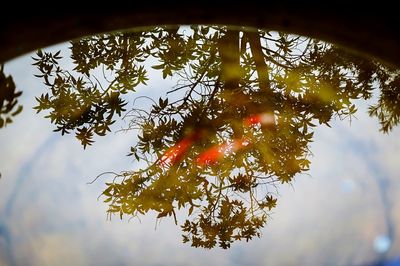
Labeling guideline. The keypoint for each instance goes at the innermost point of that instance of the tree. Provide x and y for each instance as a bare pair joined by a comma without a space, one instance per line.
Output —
238,122
8,99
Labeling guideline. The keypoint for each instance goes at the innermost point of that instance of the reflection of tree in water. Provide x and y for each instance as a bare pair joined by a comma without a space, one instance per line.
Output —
8,99
238,122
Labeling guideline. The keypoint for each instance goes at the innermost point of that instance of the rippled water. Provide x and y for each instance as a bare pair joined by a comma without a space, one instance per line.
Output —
255,147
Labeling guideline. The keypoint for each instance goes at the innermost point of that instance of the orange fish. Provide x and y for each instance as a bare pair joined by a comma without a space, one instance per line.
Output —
176,152
217,152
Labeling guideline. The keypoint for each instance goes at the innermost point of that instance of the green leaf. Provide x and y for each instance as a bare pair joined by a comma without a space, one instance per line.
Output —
108,200
158,66
107,192
190,209
19,110
162,214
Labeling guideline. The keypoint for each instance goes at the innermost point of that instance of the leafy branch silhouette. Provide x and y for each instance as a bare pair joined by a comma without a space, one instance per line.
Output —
238,122
8,99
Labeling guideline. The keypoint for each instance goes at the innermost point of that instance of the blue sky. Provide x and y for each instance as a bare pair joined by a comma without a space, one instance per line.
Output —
53,216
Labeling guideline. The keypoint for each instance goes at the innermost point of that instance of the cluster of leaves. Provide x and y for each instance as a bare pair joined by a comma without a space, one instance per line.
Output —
226,75
77,100
232,222
387,109
8,99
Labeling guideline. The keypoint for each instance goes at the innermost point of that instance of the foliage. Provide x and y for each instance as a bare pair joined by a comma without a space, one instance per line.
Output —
239,121
8,99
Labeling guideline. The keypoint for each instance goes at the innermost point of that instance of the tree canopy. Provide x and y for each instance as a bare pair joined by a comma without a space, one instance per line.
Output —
238,122
8,99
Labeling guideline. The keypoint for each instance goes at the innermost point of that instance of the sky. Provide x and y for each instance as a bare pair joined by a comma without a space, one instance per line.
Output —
49,215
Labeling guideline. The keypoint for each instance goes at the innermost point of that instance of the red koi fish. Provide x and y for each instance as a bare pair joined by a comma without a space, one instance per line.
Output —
217,152
176,152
